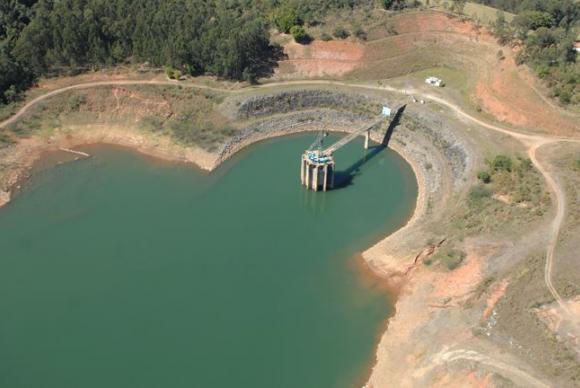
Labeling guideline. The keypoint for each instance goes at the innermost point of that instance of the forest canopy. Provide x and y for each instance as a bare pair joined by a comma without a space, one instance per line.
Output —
226,38
230,38
546,29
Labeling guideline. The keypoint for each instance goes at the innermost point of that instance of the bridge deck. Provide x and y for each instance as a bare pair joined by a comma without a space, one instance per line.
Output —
351,136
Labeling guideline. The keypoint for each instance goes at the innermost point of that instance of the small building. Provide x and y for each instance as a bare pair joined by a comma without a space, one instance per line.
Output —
386,111
434,81
577,46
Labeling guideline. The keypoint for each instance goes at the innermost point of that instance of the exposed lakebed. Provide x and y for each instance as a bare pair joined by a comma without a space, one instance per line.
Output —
119,271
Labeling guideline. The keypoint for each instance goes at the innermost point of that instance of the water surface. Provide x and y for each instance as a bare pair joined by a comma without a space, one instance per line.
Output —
119,271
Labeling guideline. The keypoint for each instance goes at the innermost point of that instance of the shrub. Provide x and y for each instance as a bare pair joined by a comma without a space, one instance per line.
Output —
543,71
5,139
341,33
360,33
300,35
394,5
500,55
502,163
75,102
484,176
170,72
565,96
477,193
325,37
451,258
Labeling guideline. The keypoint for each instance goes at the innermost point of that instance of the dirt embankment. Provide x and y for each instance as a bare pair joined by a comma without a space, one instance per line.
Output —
320,59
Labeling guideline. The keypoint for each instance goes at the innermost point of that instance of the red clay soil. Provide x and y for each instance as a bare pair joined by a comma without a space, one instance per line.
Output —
510,95
321,59
436,21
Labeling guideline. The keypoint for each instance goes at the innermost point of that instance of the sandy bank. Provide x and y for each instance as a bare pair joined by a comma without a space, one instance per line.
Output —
18,159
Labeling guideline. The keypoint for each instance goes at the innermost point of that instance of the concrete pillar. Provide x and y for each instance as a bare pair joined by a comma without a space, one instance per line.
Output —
332,177
325,177
307,175
302,164
367,136
315,180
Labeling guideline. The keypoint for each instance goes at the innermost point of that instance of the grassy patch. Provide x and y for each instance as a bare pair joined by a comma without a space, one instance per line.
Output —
5,140
7,110
450,258
510,192
480,12
186,114
453,77
191,129
519,322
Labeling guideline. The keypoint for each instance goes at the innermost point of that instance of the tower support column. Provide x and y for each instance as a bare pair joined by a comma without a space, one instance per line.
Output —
315,180
367,136
302,165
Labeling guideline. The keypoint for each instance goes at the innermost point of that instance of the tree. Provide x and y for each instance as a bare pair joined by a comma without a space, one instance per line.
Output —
394,5
502,163
300,35
501,29
484,176
532,20
459,6
285,18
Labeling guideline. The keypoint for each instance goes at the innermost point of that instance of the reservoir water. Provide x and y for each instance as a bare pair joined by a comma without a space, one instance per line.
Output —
121,271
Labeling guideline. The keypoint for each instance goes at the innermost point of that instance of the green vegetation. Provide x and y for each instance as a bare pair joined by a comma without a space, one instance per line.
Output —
360,33
285,17
449,257
5,140
547,30
340,33
325,37
509,191
300,35
229,39
484,176
186,115
501,163
396,5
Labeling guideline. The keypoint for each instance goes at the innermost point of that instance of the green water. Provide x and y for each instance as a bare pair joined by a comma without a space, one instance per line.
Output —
120,271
